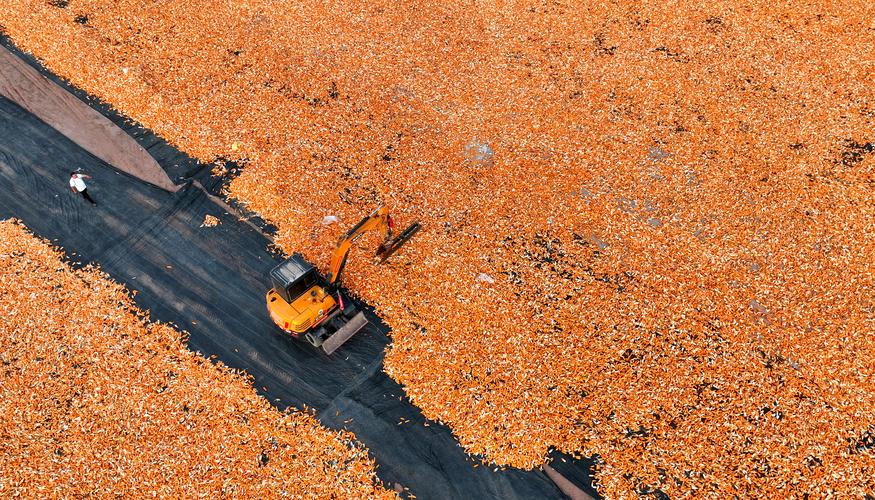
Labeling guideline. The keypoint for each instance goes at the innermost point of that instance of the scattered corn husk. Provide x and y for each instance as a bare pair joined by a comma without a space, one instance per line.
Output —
210,221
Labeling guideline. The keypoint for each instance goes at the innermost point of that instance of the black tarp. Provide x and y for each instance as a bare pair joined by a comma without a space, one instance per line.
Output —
210,282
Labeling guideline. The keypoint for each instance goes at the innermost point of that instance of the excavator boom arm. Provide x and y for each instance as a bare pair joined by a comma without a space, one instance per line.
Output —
379,219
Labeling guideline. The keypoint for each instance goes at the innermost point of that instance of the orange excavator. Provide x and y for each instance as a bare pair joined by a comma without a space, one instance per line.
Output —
302,303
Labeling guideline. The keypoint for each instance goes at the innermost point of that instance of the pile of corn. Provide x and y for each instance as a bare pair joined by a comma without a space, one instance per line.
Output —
97,401
648,229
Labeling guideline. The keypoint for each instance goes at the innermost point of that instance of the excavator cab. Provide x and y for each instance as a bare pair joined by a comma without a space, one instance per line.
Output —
293,278
298,300
302,303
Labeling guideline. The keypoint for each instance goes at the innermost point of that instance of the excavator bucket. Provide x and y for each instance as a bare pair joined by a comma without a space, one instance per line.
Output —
390,247
344,333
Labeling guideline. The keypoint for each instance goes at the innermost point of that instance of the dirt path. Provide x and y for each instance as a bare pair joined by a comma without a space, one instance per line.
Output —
210,282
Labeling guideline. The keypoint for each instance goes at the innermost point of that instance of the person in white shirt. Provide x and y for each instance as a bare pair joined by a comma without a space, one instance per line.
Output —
77,185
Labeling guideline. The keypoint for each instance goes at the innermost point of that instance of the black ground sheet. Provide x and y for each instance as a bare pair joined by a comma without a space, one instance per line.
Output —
210,282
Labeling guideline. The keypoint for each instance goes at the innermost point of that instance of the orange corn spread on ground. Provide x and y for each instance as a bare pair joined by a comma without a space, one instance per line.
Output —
674,204
97,401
